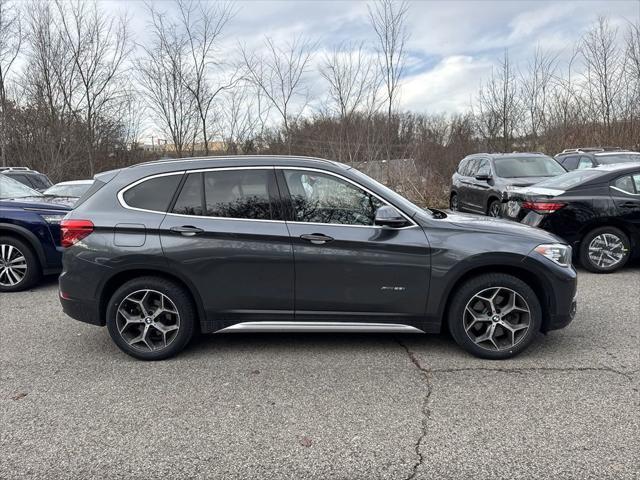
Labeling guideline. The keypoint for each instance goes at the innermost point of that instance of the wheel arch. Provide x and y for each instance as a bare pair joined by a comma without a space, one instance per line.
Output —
123,276
21,233
527,276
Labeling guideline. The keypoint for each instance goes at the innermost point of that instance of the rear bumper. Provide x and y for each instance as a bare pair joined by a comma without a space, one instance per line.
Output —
82,311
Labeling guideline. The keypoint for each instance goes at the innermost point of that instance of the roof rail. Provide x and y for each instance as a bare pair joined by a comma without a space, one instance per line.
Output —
590,149
9,169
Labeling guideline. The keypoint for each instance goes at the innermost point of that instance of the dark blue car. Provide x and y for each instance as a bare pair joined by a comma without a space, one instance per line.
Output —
29,234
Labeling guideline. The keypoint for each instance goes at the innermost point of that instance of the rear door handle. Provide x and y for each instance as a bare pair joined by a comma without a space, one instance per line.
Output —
630,204
187,230
316,238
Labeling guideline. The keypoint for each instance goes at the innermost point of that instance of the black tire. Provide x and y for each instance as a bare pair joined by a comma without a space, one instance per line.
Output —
453,202
33,272
494,208
180,299
590,265
476,285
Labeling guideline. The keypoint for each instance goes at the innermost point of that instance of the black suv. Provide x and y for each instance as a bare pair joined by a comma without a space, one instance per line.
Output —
483,180
160,250
32,179
578,159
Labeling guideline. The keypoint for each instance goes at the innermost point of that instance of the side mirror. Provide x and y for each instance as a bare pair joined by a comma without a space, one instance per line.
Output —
483,177
388,216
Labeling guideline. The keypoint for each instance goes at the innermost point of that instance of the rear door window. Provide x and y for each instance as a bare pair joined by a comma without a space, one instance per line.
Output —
483,167
154,194
240,193
628,184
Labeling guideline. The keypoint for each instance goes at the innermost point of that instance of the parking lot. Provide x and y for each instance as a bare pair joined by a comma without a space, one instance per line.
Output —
323,405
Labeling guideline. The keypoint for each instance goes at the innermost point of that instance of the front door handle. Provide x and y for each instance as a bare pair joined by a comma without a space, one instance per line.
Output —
187,230
316,238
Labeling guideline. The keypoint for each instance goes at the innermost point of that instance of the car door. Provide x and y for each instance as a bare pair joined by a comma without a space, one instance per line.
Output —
625,192
347,267
481,187
466,189
226,234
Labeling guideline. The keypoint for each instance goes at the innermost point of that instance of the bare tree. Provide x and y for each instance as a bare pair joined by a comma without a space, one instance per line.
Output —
10,42
353,79
203,24
604,74
499,108
99,44
279,74
633,81
537,83
388,19
164,73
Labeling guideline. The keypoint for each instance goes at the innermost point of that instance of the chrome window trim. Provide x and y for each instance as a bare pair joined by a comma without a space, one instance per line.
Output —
624,191
124,204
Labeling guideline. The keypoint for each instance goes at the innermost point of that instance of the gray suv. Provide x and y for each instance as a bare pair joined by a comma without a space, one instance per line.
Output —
483,180
162,250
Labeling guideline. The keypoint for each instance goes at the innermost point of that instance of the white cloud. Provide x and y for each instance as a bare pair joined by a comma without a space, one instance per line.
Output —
448,87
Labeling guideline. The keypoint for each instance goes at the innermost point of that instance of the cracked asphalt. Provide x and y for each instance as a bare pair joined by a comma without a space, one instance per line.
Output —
322,406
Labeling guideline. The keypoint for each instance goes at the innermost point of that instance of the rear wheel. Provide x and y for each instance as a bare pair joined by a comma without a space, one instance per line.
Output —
494,316
604,250
151,318
19,267
494,208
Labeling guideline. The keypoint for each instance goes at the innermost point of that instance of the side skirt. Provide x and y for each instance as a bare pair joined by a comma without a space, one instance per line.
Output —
320,327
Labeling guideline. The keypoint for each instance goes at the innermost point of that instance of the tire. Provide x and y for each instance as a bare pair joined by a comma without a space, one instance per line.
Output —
453,202
19,266
595,239
142,335
524,320
493,210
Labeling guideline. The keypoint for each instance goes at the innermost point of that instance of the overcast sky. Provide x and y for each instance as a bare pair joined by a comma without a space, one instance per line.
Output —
452,43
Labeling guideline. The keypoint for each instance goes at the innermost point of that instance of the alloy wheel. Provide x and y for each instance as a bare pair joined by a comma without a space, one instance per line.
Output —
494,209
13,265
148,320
454,203
606,250
497,318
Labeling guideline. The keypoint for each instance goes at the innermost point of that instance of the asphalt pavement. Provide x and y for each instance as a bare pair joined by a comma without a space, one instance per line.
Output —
322,406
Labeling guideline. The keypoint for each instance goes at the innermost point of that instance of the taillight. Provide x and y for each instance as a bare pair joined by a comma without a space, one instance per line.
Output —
72,231
543,207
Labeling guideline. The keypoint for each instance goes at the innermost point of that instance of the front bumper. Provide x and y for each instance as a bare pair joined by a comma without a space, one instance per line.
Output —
559,286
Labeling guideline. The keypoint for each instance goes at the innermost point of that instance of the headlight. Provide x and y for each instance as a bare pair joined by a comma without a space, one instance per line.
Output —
53,219
556,252
510,188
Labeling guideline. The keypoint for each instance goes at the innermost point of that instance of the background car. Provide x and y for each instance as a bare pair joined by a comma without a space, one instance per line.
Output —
596,210
576,159
29,235
166,248
31,178
72,188
482,180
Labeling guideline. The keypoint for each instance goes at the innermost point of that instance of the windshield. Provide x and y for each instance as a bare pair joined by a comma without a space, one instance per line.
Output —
68,190
610,159
538,166
10,188
571,179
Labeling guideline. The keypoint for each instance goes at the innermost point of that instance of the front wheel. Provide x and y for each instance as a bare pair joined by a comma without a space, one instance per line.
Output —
494,208
494,316
604,250
453,202
151,318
